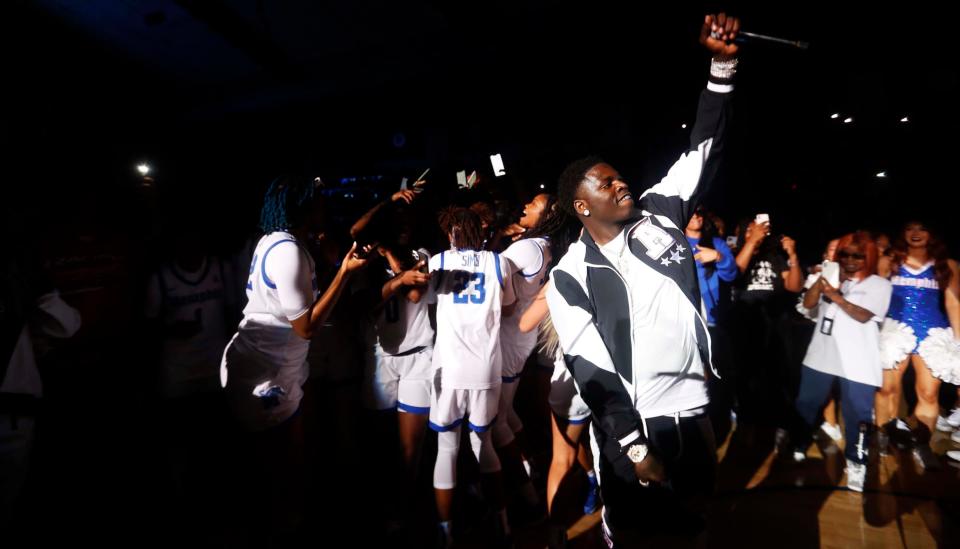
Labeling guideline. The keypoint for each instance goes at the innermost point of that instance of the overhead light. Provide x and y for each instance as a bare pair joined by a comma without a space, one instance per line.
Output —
542,186
144,169
905,119
684,126
881,174
835,116
848,120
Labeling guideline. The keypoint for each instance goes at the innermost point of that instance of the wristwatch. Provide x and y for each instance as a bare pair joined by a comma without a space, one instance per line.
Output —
637,452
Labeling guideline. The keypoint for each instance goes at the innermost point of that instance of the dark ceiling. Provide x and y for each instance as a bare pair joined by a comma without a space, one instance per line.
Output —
241,89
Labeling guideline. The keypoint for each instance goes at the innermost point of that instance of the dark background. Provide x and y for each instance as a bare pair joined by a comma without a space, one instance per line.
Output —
220,96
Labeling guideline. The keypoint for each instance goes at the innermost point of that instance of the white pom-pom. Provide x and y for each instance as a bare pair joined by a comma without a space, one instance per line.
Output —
941,351
896,341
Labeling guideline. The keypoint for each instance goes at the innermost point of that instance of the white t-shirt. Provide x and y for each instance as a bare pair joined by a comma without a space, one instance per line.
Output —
668,370
402,324
282,287
190,363
852,349
529,258
469,288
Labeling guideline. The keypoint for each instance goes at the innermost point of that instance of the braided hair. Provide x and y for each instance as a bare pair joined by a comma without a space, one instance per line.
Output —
285,203
556,225
464,226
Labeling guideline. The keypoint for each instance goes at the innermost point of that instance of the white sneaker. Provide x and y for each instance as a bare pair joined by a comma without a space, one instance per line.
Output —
943,424
955,437
954,455
856,475
954,418
833,431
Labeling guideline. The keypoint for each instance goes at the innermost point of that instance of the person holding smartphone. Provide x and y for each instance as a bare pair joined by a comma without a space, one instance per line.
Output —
264,366
845,348
765,382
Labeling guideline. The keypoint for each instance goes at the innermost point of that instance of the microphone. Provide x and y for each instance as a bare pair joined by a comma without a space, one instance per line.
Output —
746,37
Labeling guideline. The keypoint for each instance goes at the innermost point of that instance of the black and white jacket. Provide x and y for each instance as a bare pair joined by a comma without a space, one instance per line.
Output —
592,307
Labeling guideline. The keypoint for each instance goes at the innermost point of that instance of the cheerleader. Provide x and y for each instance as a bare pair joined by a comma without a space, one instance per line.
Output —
921,328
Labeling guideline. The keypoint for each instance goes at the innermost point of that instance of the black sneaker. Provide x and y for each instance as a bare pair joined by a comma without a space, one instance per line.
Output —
883,442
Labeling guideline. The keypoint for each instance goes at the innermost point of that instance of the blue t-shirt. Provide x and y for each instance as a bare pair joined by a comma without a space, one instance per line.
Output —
724,269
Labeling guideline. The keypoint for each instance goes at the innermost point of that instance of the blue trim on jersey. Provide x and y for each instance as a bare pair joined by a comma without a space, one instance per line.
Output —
565,419
442,429
510,379
496,256
436,283
480,429
250,285
413,409
263,263
535,273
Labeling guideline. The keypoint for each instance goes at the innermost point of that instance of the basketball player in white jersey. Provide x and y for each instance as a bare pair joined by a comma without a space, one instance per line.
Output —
472,289
190,305
189,299
398,369
569,419
264,365
530,259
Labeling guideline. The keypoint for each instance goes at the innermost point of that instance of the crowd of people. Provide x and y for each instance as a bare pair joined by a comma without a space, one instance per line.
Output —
645,330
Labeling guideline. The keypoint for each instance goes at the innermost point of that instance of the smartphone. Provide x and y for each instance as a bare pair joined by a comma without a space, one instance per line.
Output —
417,256
497,161
368,254
762,218
831,273
419,188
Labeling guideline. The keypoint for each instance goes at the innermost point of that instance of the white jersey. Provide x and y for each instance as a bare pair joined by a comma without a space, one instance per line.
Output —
190,363
469,288
269,355
401,324
530,258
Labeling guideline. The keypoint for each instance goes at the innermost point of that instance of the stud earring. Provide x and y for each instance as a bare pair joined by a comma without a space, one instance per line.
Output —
586,213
